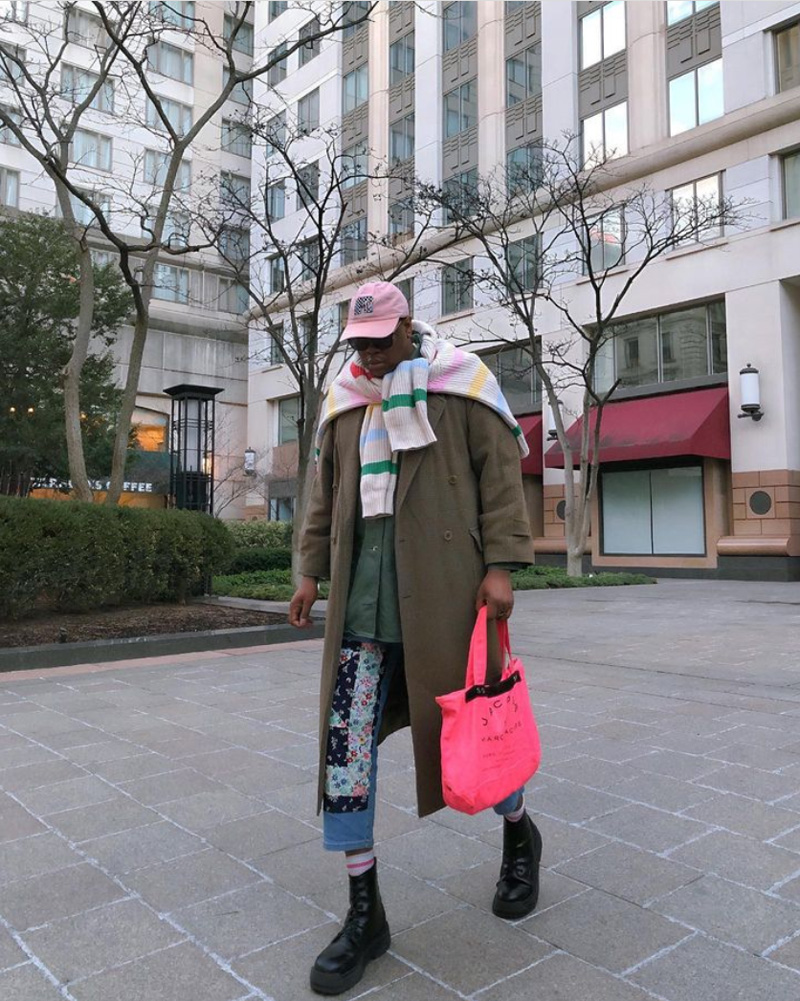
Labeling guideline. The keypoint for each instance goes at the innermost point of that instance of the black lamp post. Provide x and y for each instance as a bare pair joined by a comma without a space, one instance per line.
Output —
191,457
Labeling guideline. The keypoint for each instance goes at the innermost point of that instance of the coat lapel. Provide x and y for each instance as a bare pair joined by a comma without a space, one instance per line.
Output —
410,462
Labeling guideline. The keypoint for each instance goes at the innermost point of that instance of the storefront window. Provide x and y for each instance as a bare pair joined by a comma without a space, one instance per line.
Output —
656,512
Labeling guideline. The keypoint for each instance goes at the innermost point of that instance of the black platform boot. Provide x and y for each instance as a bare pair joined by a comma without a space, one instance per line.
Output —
518,886
364,936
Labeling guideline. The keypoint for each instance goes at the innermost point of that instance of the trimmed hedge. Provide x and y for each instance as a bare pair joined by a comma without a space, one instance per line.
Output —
539,578
264,585
71,556
261,534
261,558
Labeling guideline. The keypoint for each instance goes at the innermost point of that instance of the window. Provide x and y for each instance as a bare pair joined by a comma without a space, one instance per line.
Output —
308,256
243,42
276,132
355,89
275,271
178,115
677,10
524,169
308,112
234,244
277,340
103,258
234,190
9,187
524,75
401,59
606,246
401,139
288,416
81,211
523,258
277,7
10,60
517,377
86,29
653,511
787,48
696,208
281,508
401,220
460,23
176,226
791,185
276,200
277,58
406,287
695,97
242,92
308,186
354,164
457,281
460,109
602,33
236,138
679,345
77,84
309,36
605,135
175,12
233,296
11,10
6,135
354,241
156,165
353,15
171,284
170,61
90,149
461,195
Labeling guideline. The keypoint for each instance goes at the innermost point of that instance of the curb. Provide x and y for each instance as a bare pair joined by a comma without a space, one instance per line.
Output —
26,658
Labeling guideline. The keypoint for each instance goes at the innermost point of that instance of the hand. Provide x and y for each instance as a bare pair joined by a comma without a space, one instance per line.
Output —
495,592
302,600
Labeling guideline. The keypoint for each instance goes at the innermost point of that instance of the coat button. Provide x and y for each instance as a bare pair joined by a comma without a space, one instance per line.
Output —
448,535
452,479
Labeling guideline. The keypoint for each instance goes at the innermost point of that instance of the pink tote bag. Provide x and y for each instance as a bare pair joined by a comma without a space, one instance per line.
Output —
490,744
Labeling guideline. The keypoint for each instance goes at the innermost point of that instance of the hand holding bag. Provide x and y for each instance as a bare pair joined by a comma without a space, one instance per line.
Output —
489,743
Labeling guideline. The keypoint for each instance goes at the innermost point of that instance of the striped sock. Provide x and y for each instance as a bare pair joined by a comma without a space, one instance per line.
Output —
517,814
360,862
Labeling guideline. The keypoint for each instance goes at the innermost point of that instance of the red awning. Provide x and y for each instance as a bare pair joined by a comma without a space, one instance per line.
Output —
531,426
693,423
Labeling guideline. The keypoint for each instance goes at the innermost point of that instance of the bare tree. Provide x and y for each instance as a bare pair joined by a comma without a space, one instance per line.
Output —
537,228
52,99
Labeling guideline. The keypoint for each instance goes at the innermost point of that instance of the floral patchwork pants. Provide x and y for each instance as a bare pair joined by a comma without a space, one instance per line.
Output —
351,759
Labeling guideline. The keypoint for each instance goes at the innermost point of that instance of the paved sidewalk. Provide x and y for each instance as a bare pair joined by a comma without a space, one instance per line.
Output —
158,840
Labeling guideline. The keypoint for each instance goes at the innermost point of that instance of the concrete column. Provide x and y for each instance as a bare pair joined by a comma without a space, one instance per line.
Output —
559,70
378,203
428,91
491,87
647,73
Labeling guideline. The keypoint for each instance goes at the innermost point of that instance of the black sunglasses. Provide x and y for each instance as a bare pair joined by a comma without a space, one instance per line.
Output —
361,344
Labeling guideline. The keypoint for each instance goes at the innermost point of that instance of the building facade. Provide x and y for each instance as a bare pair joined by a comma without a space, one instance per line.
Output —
698,100
197,334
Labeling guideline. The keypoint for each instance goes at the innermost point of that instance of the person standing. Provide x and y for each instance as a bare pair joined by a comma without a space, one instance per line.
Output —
417,517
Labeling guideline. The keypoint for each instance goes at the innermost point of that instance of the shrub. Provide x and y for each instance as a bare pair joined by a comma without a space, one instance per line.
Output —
71,556
261,558
263,585
261,534
536,578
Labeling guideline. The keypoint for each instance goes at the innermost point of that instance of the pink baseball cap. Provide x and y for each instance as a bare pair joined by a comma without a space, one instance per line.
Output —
375,310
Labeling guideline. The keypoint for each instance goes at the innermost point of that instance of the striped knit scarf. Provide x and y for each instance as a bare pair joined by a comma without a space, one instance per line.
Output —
396,418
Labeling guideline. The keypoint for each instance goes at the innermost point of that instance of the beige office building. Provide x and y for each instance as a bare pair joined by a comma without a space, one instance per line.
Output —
695,98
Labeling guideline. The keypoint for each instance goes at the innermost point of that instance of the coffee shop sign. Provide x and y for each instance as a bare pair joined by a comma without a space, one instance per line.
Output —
131,488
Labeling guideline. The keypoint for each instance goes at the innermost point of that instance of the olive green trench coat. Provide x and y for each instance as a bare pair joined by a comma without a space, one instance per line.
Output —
459,506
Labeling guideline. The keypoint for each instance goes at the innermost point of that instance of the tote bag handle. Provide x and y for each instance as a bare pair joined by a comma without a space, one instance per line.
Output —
477,662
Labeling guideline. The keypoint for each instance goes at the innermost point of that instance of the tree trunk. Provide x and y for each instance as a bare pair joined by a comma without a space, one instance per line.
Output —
72,378
131,383
305,477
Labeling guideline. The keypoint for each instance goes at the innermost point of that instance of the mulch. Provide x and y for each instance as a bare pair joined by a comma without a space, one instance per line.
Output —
121,623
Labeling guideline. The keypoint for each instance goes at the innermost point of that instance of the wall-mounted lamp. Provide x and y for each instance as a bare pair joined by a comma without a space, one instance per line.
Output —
552,434
750,393
249,462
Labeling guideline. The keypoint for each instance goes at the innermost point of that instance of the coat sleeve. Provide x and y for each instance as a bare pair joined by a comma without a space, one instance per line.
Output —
495,458
315,540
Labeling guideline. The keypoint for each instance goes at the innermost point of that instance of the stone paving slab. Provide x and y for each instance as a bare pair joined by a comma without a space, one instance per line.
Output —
159,842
